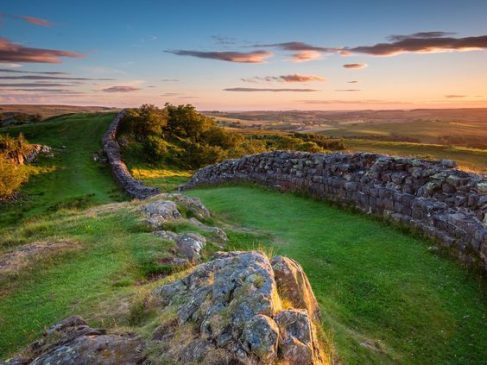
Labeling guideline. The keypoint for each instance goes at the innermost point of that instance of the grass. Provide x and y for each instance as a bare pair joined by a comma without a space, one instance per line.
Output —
424,131
385,298
467,158
115,248
71,177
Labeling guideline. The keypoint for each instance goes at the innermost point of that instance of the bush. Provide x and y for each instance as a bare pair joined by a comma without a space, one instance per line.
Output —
11,177
181,136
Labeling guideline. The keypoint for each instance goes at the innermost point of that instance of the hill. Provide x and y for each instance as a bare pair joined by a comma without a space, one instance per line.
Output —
386,297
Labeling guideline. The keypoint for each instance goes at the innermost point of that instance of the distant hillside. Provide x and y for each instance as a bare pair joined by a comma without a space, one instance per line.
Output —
47,111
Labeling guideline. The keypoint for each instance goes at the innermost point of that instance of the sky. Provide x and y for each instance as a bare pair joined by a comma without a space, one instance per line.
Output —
245,55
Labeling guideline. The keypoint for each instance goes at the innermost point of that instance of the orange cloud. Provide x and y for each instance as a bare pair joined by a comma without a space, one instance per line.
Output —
239,57
355,66
36,21
304,56
12,52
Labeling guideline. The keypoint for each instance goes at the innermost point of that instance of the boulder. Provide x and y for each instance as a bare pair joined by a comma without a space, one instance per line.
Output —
192,204
218,233
190,245
298,345
294,286
72,341
229,311
160,212
167,235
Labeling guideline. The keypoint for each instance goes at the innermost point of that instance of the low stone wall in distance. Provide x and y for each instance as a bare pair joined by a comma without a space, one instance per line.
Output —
445,204
134,188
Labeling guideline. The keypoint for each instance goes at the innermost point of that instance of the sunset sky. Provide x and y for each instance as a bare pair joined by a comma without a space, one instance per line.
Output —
244,55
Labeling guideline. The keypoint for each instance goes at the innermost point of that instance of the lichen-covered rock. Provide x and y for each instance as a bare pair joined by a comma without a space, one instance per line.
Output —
298,345
261,336
190,245
294,285
160,212
73,342
216,232
227,312
192,204
167,235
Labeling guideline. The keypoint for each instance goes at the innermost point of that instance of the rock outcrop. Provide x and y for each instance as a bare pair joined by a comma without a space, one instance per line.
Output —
443,203
73,342
239,308
134,188
236,309
160,212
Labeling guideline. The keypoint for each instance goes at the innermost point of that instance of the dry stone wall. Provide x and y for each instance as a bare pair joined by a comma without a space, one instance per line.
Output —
132,187
445,204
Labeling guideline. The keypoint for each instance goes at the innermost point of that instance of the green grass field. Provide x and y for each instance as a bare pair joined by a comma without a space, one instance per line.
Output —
467,158
386,299
71,178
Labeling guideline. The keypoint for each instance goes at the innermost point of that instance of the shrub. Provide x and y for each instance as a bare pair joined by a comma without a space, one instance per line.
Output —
11,177
181,136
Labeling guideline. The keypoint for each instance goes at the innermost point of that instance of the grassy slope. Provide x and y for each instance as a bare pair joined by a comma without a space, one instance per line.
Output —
467,158
384,296
373,282
71,177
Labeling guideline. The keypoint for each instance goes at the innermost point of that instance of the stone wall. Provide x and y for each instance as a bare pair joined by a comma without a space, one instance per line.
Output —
133,187
445,204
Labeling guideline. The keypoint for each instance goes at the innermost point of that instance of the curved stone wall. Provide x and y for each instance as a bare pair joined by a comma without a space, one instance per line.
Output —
445,204
132,187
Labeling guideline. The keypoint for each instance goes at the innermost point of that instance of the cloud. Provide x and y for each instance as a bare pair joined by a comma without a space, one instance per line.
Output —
352,82
420,35
355,66
297,46
348,90
41,77
32,72
302,51
420,42
170,94
120,89
170,80
454,96
286,78
239,57
12,52
304,56
34,84
52,91
251,89
36,21
415,44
